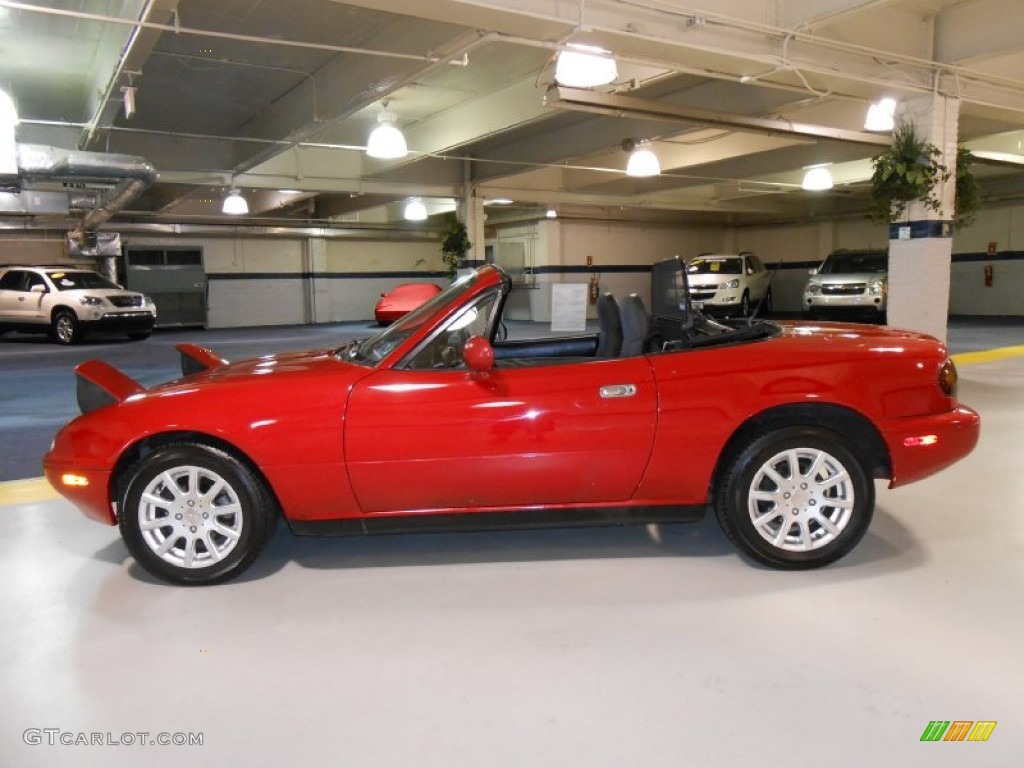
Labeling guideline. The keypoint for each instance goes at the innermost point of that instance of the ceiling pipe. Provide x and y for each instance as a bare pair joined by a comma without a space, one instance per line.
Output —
114,82
181,30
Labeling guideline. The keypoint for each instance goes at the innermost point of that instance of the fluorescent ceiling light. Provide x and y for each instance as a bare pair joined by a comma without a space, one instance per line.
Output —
386,141
551,213
643,162
1001,157
8,114
499,201
129,100
8,145
585,66
415,210
881,116
235,204
817,179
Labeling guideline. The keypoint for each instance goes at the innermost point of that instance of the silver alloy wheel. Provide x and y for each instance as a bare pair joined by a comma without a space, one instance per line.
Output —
190,517
801,499
64,327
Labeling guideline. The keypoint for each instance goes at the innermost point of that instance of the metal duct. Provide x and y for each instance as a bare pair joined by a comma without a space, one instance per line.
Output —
129,174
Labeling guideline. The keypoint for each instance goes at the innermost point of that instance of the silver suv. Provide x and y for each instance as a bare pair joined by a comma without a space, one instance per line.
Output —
67,303
849,284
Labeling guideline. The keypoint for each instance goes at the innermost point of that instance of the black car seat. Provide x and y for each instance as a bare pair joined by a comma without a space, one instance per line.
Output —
609,343
636,326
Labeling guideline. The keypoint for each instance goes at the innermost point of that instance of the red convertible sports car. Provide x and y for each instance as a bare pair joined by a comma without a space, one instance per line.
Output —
403,299
434,424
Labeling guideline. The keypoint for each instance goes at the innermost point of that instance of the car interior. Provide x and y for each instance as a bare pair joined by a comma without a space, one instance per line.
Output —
627,329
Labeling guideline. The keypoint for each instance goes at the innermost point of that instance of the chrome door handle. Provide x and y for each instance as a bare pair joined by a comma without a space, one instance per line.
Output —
618,390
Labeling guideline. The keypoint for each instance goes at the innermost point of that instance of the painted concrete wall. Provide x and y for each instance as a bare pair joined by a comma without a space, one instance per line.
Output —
1002,228
285,281
619,253
272,281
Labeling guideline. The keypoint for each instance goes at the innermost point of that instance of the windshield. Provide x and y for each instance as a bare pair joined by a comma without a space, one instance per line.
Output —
715,266
75,281
854,263
374,349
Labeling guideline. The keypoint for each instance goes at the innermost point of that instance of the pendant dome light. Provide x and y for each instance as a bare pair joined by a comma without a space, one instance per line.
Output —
415,210
235,204
386,142
642,160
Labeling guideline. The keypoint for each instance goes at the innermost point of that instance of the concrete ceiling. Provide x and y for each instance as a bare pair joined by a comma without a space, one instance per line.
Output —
278,98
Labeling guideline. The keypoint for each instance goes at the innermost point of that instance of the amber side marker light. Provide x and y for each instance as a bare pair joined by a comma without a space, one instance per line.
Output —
917,442
948,378
76,480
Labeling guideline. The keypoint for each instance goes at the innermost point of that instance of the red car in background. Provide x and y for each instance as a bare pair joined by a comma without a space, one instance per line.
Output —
403,299
434,424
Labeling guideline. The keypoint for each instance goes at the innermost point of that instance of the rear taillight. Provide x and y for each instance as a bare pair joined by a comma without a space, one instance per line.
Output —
948,378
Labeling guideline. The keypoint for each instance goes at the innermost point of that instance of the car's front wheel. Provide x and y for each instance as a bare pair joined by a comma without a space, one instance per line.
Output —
795,498
193,514
65,328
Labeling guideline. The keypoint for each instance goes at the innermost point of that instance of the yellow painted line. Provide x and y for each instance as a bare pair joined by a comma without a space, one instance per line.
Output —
26,491
988,355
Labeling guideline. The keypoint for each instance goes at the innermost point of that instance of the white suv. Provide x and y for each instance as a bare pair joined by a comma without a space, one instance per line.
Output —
67,303
729,284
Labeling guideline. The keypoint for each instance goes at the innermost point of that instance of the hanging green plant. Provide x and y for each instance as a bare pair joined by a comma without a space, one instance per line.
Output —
968,193
455,246
908,170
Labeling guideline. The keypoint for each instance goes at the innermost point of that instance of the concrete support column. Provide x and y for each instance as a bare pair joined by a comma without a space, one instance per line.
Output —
921,247
318,297
471,213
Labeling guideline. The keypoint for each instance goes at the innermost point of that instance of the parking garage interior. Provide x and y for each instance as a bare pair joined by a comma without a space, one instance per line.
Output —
654,646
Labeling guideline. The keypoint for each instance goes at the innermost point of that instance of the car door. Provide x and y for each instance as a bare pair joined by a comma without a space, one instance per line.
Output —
758,276
541,434
17,302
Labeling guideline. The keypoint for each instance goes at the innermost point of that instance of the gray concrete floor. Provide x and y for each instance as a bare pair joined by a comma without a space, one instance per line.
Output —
600,647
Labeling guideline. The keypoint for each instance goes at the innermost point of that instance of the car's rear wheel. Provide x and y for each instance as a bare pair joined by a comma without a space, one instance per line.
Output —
193,514
65,328
795,498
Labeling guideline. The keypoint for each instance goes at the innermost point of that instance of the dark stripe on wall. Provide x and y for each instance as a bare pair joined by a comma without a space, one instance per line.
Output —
978,256
322,275
585,270
561,270
922,229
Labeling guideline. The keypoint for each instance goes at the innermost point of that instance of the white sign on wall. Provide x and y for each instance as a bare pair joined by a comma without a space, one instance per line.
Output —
569,307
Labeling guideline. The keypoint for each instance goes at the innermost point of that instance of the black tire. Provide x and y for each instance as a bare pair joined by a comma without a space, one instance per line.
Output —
139,335
820,523
203,546
745,304
65,328
766,303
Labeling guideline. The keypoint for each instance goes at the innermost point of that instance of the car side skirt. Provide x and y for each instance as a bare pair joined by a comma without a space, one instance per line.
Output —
501,520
